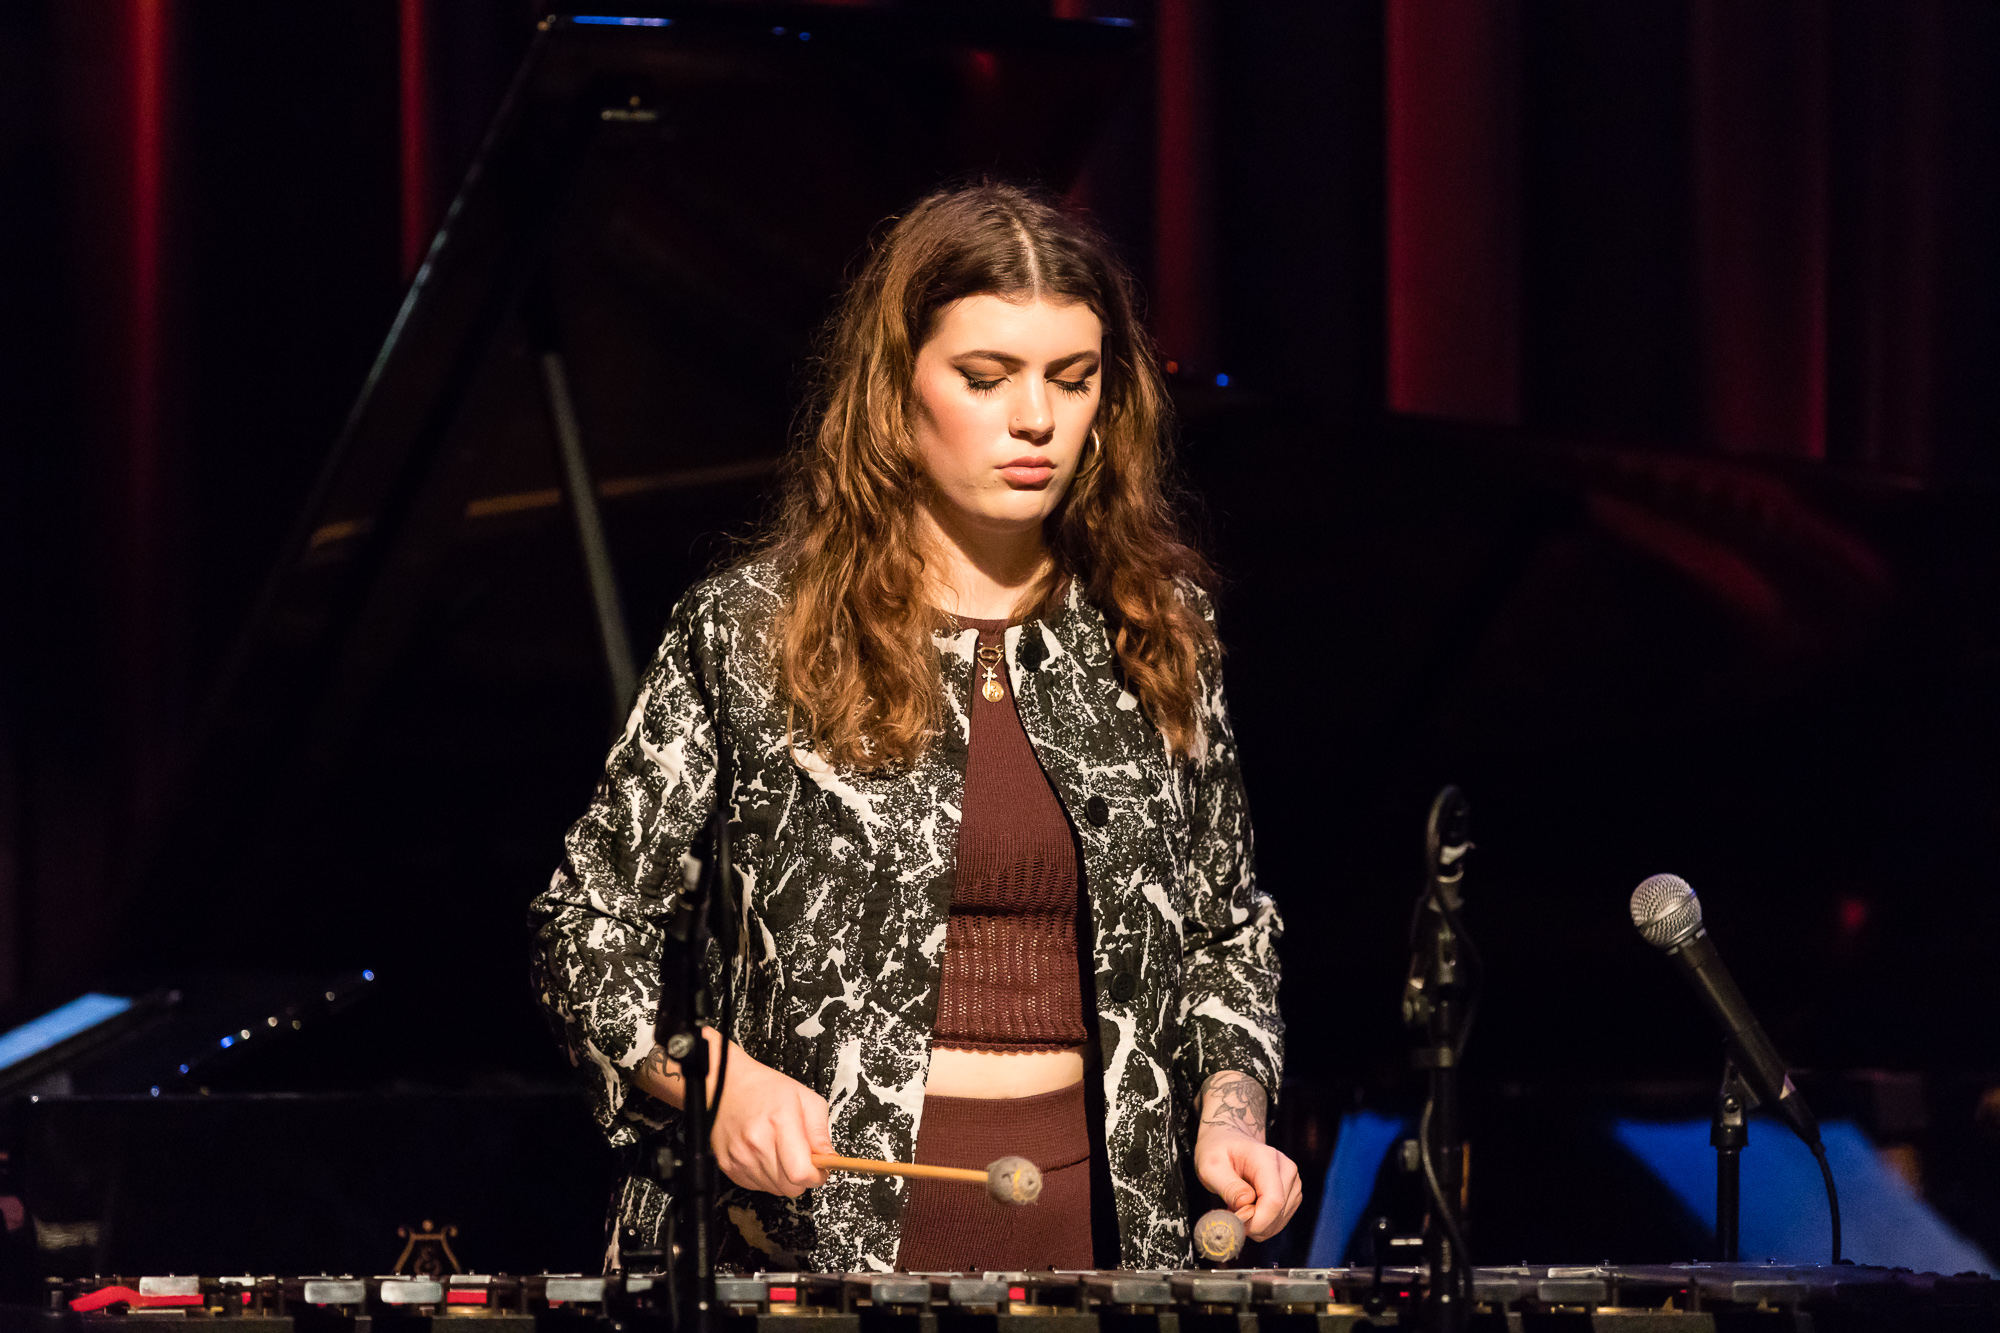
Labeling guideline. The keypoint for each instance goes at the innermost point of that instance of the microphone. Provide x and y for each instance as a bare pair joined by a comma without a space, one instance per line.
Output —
1668,914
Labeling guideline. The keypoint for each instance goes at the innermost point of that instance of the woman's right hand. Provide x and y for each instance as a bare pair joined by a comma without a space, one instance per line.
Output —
767,1129
768,1126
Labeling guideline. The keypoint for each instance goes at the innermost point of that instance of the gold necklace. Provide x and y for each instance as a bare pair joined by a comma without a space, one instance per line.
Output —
989,657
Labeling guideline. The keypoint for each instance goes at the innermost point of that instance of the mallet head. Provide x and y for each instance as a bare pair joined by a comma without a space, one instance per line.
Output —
1218,1236
1014,1180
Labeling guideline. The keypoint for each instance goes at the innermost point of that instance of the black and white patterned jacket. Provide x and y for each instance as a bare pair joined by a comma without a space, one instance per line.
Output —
846,881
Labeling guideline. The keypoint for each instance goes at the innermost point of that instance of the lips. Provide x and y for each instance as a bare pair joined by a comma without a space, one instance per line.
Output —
1031,471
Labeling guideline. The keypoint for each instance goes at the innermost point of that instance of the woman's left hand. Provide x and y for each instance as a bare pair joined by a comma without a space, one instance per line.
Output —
1254,1180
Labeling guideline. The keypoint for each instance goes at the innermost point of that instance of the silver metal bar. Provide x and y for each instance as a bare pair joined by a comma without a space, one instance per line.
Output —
590,531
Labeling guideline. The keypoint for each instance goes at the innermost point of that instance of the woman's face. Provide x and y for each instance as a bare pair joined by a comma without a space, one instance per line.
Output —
1005,395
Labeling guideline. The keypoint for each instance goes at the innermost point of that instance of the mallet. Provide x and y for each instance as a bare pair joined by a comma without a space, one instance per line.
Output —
1009,1180
1218,1236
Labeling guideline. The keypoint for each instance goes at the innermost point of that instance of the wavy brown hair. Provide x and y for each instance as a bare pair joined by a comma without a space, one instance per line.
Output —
854,649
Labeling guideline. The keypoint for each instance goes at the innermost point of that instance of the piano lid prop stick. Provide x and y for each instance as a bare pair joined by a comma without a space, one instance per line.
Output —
1009,1180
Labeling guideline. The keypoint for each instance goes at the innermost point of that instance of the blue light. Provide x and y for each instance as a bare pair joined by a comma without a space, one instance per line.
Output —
777,32
1114,23
227,1042
1359,1147
58,1025
805,36
1222,381
156,1092
367,976
1784,1204
184,1069
618,22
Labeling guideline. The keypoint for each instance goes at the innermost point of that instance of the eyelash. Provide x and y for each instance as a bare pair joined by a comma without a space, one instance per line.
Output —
1081,386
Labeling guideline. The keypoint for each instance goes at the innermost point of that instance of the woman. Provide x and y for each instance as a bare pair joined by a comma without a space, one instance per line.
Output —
992,853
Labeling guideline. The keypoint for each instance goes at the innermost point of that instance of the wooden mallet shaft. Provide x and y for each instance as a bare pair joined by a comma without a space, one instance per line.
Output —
1009,1180
829,1162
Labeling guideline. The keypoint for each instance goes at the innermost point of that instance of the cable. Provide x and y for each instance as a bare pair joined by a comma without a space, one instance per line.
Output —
1461,1257
728,1008
1832,1195
719,897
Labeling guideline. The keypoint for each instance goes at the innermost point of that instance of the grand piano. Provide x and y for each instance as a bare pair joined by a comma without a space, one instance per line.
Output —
575,412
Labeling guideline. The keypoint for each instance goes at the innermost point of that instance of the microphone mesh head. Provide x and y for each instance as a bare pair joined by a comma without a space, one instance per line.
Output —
1666,911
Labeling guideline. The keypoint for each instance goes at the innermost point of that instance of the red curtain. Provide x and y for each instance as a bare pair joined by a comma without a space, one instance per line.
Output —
1760,108
1184,281
1834,163
1454,208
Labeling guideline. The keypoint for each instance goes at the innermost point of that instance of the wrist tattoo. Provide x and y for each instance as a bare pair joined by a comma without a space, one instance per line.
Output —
1234,1101
659,1066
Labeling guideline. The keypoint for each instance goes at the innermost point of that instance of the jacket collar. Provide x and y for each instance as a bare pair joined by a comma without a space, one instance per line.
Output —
1076,624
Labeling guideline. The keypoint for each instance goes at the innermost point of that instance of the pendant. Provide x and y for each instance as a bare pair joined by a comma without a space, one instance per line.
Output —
993,690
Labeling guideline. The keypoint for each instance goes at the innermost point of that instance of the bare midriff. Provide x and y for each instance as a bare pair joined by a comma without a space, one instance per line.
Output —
991,1074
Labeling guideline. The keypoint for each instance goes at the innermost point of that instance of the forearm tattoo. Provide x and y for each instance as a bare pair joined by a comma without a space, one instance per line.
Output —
662,1070
1235,1101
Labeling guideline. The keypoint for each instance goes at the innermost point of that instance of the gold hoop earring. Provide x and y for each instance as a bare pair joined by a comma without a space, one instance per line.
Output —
1094,458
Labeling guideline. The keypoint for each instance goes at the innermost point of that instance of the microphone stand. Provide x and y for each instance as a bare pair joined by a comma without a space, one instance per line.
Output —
686,1005
1440,999
1729,1131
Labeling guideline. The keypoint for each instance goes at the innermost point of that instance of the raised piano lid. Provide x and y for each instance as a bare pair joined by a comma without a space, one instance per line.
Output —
671,205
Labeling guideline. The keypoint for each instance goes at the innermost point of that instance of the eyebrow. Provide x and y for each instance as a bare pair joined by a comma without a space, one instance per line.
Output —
1013,363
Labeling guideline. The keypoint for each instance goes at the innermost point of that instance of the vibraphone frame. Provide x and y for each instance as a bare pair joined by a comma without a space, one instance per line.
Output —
1690,1298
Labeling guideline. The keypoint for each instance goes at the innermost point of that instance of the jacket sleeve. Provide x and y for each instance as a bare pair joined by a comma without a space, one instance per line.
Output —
1229,987
599,925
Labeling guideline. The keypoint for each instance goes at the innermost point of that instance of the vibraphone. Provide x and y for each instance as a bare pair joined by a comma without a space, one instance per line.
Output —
1691,1298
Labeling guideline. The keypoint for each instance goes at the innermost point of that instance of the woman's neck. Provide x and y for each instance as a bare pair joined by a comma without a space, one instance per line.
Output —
982,573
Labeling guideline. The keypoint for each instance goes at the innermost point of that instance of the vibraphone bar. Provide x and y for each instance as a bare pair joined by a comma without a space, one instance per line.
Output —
1680,1298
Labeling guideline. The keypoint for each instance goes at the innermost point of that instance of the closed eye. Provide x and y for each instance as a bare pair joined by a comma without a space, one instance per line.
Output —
1078,386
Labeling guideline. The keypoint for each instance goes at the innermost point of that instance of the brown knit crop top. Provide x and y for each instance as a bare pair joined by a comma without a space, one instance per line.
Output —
1012,977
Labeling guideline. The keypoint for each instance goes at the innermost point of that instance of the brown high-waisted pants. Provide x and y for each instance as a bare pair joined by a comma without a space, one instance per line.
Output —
948,1226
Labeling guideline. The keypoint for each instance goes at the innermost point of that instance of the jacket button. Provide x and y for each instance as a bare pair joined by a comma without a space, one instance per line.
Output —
1032,652
1124,986
1097,812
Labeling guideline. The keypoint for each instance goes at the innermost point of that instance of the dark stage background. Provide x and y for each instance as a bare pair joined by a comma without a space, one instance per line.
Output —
1590,405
